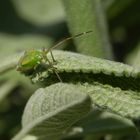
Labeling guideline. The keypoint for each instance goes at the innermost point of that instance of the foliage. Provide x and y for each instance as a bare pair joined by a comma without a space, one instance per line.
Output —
97,98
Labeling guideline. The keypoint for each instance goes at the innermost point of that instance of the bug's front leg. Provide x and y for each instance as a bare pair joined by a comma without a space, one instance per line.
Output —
45,58
52,56
55,70
45,51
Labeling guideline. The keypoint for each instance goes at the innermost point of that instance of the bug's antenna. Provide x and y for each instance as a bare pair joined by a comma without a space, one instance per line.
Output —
68,38
58,44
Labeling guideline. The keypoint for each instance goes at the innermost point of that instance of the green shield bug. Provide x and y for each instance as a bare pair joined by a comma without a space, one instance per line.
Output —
34,59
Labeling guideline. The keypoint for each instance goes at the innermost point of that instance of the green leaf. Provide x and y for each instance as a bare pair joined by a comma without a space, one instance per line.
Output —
99,123
51,111
85,15
9,63
6,88
40,12
124,13
107,3
11,44
118,7
123,102
107,82
133,57
111,85
106,123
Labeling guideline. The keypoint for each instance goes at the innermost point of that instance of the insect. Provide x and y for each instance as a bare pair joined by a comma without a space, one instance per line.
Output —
33,59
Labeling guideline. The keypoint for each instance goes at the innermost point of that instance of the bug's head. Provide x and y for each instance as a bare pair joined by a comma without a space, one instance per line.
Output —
29,61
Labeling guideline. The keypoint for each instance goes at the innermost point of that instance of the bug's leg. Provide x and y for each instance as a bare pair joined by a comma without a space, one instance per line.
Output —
44,54
50,63
55,71
52,56
45,51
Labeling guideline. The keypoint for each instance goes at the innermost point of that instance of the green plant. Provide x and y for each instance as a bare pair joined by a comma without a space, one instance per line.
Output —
98,98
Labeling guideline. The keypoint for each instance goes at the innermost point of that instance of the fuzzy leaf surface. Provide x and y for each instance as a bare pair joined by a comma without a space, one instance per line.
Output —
85,15
111,85
51,111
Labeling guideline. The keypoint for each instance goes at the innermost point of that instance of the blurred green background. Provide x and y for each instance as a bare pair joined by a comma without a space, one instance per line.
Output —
26,24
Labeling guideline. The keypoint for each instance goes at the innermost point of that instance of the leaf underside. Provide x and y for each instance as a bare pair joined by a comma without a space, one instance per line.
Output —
111,85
